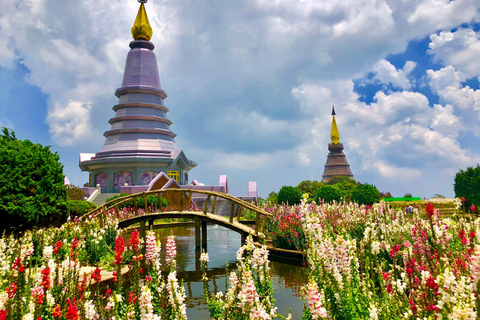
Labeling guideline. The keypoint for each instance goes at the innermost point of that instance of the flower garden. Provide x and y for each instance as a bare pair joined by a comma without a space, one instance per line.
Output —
365,263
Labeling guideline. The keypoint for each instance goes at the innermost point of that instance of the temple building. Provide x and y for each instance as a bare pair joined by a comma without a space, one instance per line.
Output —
139,144
337,164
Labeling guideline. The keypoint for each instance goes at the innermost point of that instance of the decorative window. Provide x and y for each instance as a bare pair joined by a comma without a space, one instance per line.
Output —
148,176
174,175
121,178
101,179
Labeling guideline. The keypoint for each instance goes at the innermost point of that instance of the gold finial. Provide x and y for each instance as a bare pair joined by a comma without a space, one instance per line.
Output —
334,134
141,29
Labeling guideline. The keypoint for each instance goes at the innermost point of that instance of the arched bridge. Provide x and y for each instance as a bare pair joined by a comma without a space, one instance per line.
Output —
146,207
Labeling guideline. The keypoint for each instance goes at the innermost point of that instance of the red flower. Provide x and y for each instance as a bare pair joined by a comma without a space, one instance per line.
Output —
81,285
72,250
472,234
3,314
58,245
96,275
430,210
45,279
472,208
11,290
72,312
463,199
119,248
17,263
389,288
56,312
134,240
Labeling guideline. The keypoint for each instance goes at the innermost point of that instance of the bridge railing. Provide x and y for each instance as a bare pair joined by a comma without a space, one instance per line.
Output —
179,200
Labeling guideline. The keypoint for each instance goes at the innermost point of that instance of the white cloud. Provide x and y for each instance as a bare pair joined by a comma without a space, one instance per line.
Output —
395,136
70,122
460,49
446,82
241,161
392,172
386,73
248,76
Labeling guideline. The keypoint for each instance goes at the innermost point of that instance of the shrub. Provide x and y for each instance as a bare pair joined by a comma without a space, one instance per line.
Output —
438,196
328,194
386,194
337,179
290,195
79,207
346,186
31,184
75,193
272,197
407,195
151,201
310,187
467,185
365,194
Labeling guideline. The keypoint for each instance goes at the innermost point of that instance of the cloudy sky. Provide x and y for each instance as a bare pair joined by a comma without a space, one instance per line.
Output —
251,84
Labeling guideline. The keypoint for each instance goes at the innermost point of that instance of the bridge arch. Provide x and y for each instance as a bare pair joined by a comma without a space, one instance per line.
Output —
181,205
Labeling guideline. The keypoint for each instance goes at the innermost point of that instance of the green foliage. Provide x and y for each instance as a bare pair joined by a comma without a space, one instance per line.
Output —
310,187
365,194
346,186
151,201
31,184
272,197
79,207
407,195
338,179
75,193
467,185
290,195
329,193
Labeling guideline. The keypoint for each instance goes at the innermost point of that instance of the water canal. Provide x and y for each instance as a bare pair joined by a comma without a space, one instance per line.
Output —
222,246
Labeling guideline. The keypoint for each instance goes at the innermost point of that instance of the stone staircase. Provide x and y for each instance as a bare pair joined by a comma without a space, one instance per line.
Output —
102,198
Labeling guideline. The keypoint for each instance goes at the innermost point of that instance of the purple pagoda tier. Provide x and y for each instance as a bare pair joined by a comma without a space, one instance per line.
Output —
139,144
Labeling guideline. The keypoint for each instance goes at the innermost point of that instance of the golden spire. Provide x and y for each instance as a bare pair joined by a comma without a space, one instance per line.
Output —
334,134
141,29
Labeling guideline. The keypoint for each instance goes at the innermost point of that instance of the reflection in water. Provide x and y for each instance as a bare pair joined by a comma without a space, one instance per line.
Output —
222,245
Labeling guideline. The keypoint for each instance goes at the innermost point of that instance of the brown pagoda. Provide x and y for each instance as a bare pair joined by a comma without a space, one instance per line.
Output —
337,164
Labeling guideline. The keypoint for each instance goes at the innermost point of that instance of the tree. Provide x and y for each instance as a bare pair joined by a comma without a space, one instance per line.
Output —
310,187
407,195
467,185
336,179
346,186
272,197
329,193
75,193
290,195
438,196
365,194
31,184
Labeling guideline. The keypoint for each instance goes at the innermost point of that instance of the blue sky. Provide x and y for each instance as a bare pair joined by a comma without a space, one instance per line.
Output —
251,84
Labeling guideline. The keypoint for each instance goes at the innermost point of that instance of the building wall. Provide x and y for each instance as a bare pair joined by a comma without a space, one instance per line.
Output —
136,176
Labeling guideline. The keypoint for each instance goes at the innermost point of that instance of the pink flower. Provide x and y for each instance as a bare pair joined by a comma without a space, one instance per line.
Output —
171,249
472,208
